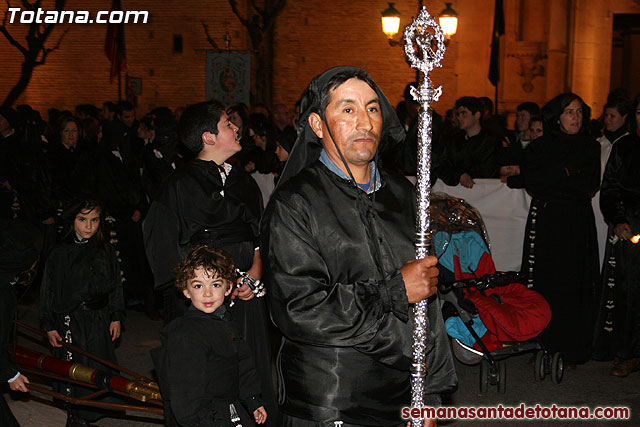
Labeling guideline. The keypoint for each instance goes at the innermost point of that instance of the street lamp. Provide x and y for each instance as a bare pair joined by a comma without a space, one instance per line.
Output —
390,22
448,21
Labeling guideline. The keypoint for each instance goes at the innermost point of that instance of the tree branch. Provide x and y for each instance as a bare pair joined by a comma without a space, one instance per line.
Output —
46,52
234,7
5,32
271,19
209,39
257,9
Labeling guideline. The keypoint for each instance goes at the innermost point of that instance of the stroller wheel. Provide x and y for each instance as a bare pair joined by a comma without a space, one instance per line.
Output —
557,368
538,368
484,377
502,378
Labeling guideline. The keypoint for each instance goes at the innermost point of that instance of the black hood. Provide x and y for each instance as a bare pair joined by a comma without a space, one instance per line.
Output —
308,146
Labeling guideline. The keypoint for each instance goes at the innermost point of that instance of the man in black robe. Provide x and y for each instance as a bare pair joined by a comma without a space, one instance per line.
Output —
337,243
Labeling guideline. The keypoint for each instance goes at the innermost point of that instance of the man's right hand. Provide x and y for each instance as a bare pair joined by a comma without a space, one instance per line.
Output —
420,278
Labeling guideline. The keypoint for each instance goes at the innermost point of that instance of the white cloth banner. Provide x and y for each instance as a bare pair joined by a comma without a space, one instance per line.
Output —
504,211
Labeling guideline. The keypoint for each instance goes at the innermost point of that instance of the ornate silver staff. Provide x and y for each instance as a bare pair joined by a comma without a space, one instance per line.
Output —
427,35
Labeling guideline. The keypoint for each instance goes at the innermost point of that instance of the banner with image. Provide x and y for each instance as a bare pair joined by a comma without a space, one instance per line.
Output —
228,76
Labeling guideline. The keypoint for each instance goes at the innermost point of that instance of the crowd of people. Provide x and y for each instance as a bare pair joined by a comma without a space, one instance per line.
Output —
117,203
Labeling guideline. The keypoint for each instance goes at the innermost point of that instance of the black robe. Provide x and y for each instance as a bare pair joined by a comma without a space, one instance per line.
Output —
192,210
80,295
20,244
8,370
343,309
66,173
204,366
618,324
560,254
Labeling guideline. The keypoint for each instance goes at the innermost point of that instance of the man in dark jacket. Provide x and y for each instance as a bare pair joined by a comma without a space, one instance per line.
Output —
337,242
473,152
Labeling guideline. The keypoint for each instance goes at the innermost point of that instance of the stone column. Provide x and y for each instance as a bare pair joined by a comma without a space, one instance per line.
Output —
557,47
591,52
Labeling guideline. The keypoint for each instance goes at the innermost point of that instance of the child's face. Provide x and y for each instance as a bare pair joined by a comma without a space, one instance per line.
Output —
207,291
87,223
227,141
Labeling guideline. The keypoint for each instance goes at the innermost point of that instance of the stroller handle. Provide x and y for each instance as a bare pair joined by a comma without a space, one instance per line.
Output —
499,278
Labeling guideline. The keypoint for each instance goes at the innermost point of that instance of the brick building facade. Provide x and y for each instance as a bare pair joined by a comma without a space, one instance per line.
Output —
549,46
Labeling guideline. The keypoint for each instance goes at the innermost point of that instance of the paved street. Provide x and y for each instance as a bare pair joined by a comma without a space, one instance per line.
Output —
588,385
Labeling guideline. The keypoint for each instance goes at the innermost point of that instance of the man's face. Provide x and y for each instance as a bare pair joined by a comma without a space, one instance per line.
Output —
105,114
522,120
466,119
355,120
281,116
236,119
613,120
128,117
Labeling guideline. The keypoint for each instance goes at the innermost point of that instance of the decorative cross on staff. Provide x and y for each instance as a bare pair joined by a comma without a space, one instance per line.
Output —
427,35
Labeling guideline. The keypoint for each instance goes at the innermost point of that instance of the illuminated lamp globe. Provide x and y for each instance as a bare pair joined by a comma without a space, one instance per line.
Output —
448,21
390,21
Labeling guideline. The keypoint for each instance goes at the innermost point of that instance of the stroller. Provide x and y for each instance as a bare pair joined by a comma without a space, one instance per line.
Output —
491,315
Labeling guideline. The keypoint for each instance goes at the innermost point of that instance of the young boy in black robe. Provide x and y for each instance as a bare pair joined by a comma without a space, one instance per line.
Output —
207,376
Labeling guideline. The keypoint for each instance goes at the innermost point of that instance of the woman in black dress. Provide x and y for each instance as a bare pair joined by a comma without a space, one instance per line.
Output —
561,171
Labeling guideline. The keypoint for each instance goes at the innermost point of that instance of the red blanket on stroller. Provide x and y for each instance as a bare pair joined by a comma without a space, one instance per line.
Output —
517,314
